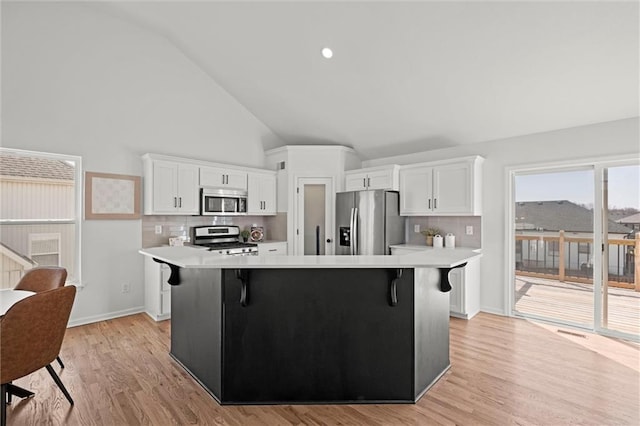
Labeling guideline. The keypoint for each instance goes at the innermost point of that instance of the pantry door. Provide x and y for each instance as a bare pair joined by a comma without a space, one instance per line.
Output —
314,216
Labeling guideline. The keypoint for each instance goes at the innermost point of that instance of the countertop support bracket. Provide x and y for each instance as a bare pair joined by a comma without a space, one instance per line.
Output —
174,278
243,276
393,288
445,285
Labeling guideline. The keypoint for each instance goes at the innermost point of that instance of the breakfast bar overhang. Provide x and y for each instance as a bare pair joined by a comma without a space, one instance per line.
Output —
308,329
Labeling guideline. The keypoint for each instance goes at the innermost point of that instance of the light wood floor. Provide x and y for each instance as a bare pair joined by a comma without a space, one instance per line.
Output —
573,303
504,371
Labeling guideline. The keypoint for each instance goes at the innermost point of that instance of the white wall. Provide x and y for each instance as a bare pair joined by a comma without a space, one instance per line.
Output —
78,82
595,141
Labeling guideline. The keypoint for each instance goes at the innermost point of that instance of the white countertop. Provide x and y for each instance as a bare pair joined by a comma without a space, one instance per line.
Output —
190,257
429,248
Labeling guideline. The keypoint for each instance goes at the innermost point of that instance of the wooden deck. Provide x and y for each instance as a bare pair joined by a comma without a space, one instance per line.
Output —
573,302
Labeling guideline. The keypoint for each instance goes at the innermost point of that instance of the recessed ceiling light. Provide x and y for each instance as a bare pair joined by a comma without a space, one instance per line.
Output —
327,53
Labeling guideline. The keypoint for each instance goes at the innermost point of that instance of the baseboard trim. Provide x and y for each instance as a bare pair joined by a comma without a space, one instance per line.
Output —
493,311
111,315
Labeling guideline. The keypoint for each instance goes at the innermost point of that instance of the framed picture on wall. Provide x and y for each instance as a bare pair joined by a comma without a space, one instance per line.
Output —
111,196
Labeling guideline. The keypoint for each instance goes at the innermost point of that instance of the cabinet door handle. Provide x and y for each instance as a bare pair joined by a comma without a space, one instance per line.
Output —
435,203
364,182
179,201
429,203
368,182
175,201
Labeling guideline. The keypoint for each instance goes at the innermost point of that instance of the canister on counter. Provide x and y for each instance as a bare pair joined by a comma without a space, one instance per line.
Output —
450,240
437,241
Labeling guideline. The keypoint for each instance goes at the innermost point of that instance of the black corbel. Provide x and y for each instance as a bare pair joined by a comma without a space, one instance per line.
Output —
393,288
174,278
243,276
445,285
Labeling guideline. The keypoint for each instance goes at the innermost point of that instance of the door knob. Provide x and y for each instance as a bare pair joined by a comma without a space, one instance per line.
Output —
328,240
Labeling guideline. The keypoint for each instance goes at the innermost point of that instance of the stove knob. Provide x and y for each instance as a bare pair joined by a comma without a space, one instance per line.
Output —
227,251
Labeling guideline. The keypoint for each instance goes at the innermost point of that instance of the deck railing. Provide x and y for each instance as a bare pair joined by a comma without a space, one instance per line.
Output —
569,259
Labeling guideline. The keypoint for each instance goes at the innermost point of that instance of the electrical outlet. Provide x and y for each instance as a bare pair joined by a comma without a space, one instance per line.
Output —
469,230
126,287
416,228
158,229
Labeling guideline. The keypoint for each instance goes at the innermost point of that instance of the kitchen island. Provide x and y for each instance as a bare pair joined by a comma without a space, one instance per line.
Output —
310,329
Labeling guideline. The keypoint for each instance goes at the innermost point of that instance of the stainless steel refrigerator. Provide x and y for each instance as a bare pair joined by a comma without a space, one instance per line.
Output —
367,222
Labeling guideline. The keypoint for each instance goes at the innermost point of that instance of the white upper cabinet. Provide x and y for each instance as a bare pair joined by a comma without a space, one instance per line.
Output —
385,177
170,187
416,191
441,188
223,178
261,193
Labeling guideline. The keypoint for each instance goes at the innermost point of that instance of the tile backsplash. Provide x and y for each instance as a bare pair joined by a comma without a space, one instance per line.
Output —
447,224
275,227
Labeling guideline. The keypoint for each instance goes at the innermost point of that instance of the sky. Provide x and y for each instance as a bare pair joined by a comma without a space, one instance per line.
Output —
578,187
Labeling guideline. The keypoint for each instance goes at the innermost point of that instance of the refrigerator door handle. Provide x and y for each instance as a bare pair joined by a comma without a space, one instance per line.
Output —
351,230
354,232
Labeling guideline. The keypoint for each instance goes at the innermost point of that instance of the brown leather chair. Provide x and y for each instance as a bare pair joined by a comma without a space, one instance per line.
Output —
31,334
43,278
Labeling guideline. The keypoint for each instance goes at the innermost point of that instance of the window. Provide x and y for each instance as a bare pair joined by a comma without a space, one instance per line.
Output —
44,249
40,212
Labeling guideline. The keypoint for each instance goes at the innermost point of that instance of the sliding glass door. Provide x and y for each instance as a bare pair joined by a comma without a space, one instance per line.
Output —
619,308
554,229
574,245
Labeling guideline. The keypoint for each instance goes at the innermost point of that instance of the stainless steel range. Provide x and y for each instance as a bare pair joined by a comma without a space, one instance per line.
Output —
223,239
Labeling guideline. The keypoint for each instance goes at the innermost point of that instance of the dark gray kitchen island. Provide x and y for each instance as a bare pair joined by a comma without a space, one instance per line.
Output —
289,329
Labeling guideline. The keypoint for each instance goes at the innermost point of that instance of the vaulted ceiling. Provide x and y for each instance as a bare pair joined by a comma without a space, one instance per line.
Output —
410,76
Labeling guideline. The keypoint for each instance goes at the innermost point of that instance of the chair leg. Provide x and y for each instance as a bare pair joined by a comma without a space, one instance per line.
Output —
9,395
59,383
60,361
3,405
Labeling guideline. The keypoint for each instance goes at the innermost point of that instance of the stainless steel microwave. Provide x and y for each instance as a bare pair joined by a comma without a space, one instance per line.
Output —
222,202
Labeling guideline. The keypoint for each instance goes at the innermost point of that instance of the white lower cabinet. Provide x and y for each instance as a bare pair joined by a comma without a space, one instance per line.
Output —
464,297
272,249
157,291
465,290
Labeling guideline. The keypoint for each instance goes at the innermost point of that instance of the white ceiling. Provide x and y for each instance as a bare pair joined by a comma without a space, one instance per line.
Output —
410,76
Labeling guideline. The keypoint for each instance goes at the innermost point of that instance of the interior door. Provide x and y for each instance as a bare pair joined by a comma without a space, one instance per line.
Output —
314,216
